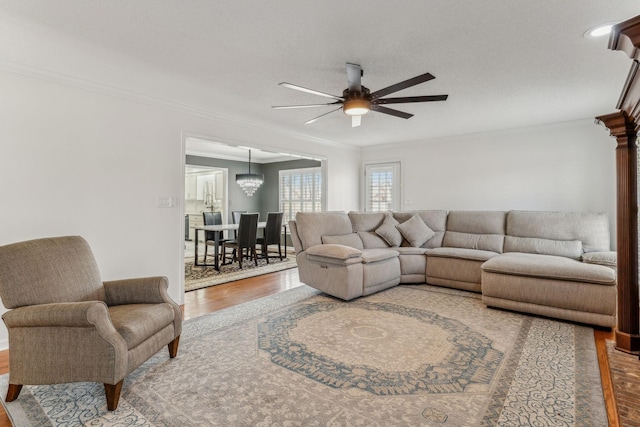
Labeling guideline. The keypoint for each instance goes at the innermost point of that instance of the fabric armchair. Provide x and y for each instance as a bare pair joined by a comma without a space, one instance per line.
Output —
66,325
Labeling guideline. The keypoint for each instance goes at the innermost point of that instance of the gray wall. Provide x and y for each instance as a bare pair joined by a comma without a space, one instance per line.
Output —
266,198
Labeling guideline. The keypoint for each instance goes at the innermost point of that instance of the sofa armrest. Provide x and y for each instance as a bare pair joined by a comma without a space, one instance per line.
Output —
608,258
334,254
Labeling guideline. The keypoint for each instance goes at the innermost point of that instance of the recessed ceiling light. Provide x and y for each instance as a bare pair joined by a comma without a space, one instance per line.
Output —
599,31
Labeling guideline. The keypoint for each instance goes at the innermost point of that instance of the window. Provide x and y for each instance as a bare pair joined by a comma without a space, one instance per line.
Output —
300,191
382,187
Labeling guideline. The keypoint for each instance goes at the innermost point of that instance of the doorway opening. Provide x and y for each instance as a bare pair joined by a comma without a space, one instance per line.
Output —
205,190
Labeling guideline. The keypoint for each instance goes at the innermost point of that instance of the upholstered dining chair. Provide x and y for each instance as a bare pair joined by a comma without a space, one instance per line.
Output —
66,325
235,217
272,235
212,218
246,240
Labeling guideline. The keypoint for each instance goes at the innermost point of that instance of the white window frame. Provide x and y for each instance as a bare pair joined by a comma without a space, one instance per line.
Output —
371,171
317,200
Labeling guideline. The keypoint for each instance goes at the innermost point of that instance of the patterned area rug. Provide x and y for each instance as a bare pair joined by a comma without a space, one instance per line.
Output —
412,355
203,277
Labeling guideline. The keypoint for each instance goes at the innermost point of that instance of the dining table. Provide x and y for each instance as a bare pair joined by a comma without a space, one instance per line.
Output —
224,227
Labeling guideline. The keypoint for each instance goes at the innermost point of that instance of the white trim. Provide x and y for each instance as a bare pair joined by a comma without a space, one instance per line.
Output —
118,92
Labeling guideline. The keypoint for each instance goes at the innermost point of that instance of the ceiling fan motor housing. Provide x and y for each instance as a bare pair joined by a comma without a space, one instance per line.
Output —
356,103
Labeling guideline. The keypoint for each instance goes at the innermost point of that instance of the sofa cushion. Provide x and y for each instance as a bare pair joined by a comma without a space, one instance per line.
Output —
312,226
609,258
592,229
350,239
483,242
477,222
462,253
366,221
334,254
389,232
566,248
371,240
415,231
410,250
376,255
550,267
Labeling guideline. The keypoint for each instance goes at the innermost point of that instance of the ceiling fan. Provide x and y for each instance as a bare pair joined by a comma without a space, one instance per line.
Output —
357,100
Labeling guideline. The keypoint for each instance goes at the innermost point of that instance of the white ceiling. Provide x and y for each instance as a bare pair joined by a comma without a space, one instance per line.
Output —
504,63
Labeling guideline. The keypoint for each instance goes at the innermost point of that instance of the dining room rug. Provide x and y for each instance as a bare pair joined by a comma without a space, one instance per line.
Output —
413,355
202,277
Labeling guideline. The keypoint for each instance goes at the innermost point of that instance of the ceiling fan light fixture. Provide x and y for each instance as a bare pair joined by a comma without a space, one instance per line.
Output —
356,107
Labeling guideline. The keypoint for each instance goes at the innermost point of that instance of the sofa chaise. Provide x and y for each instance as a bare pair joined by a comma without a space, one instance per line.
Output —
556,264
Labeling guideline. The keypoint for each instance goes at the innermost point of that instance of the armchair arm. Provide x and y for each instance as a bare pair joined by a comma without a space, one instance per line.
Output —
143,290
78,336
71,314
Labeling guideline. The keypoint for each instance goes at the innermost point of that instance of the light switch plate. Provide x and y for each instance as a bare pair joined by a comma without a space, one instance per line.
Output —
165,202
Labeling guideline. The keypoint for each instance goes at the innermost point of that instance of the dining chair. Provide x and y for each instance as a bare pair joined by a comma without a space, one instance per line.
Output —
272,235
246,240
235,217
212,218
66,325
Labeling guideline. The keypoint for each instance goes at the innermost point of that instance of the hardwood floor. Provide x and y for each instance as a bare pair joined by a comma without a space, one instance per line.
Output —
203,301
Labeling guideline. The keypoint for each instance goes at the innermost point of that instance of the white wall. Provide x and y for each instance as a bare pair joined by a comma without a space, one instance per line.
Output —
80,162
565,167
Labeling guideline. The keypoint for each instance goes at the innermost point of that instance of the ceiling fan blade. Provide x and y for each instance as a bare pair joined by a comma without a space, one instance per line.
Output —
402,85
406,99
390,111
356,121
286,107
311,91
320,116
354,74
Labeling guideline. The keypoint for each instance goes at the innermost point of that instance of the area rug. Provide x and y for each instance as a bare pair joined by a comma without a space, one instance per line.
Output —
412,355
202,277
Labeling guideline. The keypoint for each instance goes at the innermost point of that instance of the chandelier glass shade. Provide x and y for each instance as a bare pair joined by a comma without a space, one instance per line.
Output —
249,182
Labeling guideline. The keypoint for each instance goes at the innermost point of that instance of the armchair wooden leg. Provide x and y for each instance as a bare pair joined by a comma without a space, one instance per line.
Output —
112,391
13,392
173,347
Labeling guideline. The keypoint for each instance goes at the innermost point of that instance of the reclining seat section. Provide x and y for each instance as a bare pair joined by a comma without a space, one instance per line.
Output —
331,257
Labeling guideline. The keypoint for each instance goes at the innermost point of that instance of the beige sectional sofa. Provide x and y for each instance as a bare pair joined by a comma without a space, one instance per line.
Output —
556,264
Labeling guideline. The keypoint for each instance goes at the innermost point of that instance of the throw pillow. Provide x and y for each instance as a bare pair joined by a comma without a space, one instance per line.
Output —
415,231
389,232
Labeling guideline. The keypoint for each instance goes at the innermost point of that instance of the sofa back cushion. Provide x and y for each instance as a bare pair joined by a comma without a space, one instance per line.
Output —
311,226
592,229
483,242
366,221
533,245
482,230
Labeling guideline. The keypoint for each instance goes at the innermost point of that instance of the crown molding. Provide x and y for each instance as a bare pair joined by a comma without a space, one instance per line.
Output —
105,89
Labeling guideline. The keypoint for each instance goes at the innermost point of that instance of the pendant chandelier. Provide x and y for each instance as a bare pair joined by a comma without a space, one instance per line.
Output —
249,182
